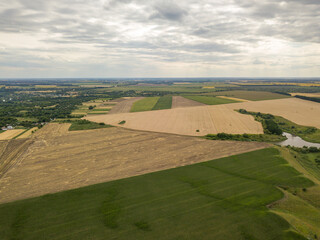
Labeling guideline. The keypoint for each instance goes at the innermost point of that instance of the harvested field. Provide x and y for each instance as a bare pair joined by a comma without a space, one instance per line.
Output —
10,153
180,102
27,133
124,106
186,121
316,95
299,111
59,160
9,134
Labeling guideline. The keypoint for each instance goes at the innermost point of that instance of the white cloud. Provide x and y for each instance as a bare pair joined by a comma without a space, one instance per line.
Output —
136,38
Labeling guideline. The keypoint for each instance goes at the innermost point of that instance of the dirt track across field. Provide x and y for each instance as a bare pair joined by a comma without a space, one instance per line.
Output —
59,160
186,121
179,102
124,106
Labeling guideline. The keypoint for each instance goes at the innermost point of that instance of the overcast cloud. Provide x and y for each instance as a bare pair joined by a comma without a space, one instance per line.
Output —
159,38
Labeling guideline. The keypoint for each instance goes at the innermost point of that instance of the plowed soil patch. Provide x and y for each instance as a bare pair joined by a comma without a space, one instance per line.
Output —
178,102
124,106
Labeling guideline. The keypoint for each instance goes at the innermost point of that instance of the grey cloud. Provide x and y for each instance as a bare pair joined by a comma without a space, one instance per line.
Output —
168,10
35,4
187,31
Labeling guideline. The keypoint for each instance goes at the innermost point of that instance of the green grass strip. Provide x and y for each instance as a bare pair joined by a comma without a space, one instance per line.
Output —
164,102
86,125
145,104
21,133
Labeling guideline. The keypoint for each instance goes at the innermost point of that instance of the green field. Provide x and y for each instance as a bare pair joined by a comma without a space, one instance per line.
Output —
145,104
209,100
250,95
307,161
301,208
164,102
219,199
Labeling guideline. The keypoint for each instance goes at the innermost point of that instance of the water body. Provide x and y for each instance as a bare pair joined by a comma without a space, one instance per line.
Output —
296,141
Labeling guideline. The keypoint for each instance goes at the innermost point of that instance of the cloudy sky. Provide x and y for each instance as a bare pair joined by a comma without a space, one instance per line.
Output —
159,38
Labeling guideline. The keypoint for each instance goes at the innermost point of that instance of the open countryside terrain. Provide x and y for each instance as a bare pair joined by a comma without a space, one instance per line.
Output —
250,95
209,100
316,95
124,106
186,121
9,134
202,120
299,111
60,160
65,181
219,199
179,101
146,104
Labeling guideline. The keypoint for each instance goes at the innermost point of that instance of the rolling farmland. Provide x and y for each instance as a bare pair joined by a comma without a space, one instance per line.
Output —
150,172
299,111
179,101
145,104
219,199
250,95
164,102
28,133
60,160
9,134
209,100
186,121
124,106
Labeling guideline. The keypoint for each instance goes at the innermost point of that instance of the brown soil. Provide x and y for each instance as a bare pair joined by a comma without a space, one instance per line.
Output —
59,160
179,102
124,106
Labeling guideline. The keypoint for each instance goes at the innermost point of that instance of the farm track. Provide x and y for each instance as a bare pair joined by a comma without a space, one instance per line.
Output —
124,106
59,160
